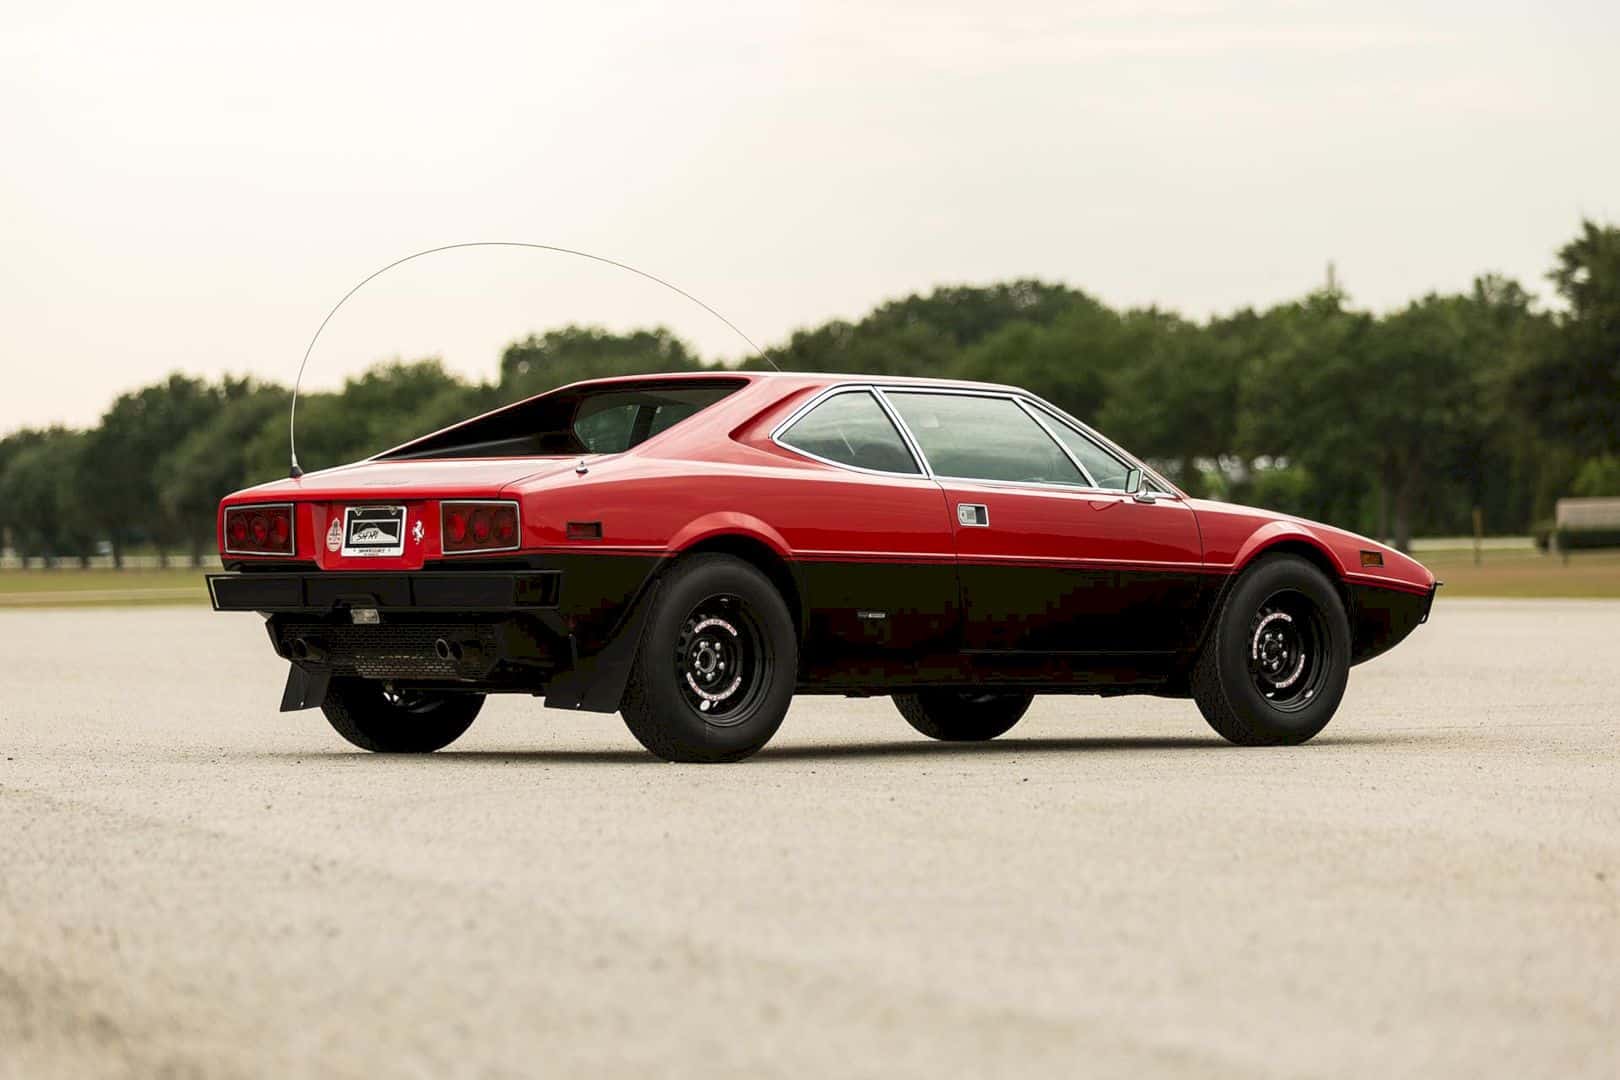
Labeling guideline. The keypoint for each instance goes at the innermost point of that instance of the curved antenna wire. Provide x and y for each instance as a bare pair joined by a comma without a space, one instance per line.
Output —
292,418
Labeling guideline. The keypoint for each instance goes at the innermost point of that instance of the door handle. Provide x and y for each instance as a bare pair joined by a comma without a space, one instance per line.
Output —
973,514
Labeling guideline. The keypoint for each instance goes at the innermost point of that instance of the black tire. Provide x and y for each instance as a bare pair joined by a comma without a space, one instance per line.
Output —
718,662
963,715
1277,660
411,722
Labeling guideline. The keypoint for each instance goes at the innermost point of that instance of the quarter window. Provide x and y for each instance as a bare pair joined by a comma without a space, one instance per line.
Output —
852,429
611,423
983,438
1106,470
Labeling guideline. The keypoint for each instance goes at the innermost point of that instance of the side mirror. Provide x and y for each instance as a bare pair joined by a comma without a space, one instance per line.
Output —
1134,488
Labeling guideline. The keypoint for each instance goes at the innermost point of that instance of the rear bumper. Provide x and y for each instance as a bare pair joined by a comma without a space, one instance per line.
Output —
510,630
427,591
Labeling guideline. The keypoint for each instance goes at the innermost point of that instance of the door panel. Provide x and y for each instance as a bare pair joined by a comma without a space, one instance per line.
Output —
1085,573
876,569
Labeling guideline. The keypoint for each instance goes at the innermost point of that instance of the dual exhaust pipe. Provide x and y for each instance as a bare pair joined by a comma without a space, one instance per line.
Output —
457,651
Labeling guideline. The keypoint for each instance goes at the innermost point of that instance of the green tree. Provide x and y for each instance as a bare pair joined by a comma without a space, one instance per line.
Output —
1068,356
10,448
120,478
212,461
1570,388
382,407
1175,393
1304,405
39,486
540,362
923,335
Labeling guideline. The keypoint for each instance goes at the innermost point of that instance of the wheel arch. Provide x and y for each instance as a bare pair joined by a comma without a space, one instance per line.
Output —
1281,537
751,540
1301,545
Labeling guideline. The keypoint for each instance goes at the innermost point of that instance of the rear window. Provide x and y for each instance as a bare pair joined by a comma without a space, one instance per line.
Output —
606,419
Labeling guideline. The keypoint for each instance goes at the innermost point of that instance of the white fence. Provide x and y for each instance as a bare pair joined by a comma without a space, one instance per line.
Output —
1583,514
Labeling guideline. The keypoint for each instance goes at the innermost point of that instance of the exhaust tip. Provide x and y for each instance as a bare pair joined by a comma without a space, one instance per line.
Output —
447,650
304,649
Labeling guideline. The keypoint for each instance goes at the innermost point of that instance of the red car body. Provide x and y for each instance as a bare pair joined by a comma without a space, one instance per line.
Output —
1065,589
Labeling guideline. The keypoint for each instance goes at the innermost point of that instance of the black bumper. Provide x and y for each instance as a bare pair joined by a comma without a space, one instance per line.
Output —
1383,618
509,630
422,591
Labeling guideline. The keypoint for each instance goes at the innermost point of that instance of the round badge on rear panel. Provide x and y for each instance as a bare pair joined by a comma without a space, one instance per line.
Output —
334,535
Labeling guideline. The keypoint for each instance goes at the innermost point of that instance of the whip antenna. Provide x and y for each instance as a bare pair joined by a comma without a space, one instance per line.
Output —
292,418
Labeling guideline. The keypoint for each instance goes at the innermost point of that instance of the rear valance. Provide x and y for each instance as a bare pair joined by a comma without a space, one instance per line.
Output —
318,593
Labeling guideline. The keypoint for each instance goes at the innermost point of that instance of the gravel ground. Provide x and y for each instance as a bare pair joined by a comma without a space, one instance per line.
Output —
191,884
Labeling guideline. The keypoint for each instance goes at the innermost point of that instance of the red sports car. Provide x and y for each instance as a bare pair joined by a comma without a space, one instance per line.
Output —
693,550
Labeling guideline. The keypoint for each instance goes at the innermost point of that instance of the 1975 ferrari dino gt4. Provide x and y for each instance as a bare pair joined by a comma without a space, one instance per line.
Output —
693,550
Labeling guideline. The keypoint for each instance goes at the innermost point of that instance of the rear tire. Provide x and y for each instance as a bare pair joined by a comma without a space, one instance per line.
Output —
1277,661
717,665
963,715
410,722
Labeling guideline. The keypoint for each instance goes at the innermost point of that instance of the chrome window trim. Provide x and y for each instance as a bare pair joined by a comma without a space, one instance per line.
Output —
1166,488
517,508
1018,398
1085,473
292,522
1017,404
880,390
917,459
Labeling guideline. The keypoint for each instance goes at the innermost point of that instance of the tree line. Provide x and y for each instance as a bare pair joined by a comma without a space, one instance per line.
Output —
1390,424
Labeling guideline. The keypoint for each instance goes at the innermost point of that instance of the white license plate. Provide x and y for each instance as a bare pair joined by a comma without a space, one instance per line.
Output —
374,530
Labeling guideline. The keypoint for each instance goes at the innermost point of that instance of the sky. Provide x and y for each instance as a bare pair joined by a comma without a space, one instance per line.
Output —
193,186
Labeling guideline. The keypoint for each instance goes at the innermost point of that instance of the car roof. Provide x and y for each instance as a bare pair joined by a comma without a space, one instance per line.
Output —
800,378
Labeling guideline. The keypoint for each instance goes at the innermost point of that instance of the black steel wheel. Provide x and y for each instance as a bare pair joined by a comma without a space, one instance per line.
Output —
963,715
721,661
1288,651
374,716
717,664
1276,664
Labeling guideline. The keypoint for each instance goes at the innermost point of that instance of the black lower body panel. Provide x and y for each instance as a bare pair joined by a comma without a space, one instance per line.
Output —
1382,618
564,625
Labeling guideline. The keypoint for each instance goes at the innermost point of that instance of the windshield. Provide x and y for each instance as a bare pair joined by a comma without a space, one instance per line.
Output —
603,419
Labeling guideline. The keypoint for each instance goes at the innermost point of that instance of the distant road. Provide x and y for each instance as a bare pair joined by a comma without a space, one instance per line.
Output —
194,885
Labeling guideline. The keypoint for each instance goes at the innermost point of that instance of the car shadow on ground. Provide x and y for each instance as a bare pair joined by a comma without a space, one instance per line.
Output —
928,750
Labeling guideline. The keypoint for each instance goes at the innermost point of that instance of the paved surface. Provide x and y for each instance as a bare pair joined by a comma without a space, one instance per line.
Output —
193,885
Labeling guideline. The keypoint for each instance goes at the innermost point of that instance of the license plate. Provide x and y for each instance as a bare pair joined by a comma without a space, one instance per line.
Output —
374,530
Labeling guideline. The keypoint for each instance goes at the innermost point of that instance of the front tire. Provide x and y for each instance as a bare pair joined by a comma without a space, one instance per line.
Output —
963,715
1276,664
717,665
374,718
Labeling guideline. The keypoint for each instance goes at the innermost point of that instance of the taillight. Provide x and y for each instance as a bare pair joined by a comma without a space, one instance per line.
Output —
259,530
478,526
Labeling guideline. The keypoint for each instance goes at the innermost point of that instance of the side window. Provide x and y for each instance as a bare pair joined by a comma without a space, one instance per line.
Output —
1106,470
613,423
983,438
852,429
607,431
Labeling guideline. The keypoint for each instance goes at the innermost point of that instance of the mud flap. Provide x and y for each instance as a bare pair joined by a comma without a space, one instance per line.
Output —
596,683
306,687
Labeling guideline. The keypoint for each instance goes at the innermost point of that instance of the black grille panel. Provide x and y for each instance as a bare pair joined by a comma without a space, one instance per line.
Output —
397,650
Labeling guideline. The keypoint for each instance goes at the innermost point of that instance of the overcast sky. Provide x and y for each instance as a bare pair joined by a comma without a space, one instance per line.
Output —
193,186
